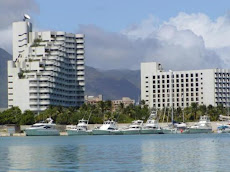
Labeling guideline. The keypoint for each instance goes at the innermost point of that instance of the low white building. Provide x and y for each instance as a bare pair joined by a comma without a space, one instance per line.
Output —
161,88
47,69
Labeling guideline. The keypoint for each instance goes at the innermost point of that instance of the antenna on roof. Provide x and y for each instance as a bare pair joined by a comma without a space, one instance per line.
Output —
26,16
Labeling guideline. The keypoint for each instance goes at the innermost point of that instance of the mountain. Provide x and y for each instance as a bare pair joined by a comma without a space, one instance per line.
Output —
4,57
112,84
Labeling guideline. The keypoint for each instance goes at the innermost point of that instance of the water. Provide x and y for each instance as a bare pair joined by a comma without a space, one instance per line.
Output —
198,152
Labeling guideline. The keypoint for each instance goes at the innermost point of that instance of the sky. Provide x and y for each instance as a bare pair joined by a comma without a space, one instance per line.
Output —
121,34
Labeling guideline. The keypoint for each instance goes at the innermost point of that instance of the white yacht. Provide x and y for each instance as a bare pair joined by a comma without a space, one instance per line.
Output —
43,129
134,128
109,127
80,129
203,126
151,126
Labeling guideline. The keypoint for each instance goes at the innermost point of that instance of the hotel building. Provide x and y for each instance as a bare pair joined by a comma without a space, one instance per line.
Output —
47,69
161,88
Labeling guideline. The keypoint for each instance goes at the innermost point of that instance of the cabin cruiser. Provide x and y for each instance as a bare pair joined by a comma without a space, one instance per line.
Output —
43,129
109,127
203,126
80,129
151,126
134,128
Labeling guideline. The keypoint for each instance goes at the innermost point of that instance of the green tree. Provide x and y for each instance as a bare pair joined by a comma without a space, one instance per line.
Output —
27,118
11,116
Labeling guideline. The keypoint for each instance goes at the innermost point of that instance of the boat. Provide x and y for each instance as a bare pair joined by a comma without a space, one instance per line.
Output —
203,126
80,129
109,127
169,130
151,126
134,128
224,128
43,129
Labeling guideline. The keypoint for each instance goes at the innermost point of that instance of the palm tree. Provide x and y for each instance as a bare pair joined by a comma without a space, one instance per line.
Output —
203,109
108,105
194,108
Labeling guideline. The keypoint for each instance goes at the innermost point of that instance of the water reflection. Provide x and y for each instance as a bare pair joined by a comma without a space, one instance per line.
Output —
116,153
184,153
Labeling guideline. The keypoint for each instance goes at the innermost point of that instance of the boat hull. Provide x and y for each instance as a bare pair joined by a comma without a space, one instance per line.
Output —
169,131
106,132
42,132
131,132
196,131
151,131
77,132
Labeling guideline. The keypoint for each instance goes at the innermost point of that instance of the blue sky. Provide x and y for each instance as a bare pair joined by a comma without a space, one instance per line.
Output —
120,34
115,15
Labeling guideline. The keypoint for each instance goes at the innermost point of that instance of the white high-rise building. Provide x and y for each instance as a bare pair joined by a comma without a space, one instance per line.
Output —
47,69
161,88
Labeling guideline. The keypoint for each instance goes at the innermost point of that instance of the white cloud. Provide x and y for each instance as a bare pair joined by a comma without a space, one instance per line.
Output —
214,32
177,47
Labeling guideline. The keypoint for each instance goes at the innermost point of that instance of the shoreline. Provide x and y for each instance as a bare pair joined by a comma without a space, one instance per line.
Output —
62,128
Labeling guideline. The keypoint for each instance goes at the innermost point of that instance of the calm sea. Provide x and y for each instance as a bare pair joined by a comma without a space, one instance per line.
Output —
200,152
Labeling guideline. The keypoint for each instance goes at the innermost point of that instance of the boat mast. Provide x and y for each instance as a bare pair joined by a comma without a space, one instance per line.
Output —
171,93
89,117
